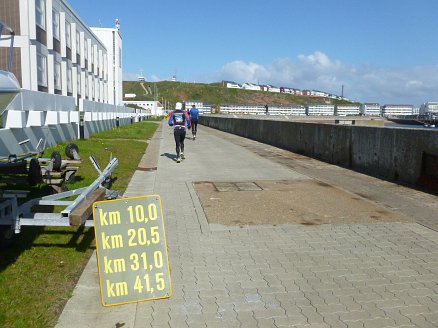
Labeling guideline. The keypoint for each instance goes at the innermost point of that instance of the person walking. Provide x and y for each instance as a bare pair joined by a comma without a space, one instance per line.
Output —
179,119
194,117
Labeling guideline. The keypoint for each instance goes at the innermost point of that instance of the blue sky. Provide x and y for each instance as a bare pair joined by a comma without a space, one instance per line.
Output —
383,51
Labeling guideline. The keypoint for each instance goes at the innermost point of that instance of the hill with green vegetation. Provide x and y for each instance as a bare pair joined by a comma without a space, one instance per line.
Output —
214,94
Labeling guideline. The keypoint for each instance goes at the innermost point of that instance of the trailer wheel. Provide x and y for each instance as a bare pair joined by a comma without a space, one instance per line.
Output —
34,175
56,160
7,237
71,150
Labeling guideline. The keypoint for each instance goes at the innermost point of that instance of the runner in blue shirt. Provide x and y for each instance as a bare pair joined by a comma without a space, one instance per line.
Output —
194,117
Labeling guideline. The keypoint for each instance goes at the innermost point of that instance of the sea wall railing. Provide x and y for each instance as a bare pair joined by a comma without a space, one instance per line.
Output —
261,110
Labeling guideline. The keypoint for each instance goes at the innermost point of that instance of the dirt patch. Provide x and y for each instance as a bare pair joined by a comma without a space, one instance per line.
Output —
306,202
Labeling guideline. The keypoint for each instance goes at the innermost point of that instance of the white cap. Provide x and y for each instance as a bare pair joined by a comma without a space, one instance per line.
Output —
178,105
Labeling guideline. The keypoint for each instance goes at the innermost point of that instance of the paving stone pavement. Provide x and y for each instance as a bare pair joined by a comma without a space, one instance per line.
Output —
361,275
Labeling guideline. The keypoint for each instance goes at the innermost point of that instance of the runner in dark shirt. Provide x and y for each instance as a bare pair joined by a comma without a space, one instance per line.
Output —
179,119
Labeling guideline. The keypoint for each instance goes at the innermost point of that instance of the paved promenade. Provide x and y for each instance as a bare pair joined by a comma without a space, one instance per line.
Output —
231,272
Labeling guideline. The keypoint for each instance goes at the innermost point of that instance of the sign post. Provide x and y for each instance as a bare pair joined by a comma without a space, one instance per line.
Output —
131,250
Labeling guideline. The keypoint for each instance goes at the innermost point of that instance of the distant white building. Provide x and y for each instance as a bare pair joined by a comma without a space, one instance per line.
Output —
416,110
197,103
112,39
347,110
372,109
429,108
251,86
273,89
155,108
200,105
231,84
293,110
316,93
397,110
320,109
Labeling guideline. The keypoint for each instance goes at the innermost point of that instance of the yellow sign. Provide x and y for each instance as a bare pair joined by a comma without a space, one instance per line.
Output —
131,250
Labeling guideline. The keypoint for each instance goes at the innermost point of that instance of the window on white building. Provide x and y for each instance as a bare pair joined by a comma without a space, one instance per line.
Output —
40,13
42,70
97,95
85,49
78,82
55,24
78,42
86,86
93,89
68,34
57,76
69,80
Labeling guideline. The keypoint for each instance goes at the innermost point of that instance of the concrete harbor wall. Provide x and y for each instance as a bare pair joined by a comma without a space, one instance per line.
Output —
405,155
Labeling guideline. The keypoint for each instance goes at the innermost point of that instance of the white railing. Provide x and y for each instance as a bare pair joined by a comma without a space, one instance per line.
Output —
32,108
33,115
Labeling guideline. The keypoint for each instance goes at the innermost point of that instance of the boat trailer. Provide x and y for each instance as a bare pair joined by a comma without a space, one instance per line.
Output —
76,212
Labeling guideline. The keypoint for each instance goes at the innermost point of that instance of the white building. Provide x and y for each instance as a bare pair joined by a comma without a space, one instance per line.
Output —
251,86
372,109
416,110
231,84
316,93
320,109
347,110
200,105
286,90
112,40
292,110
397,110
429,108
272,88
55,52
154,108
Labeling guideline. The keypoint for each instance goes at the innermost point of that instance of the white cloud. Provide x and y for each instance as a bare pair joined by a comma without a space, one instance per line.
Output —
413,85
251,72
320,61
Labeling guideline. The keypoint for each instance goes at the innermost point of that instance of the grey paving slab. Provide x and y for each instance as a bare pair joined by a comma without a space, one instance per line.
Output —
347,275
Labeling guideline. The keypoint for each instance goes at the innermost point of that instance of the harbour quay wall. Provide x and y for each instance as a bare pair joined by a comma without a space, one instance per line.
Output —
405,155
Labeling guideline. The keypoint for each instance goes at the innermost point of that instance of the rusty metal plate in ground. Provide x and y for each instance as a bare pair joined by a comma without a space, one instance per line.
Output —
307,202
236,186
225,186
